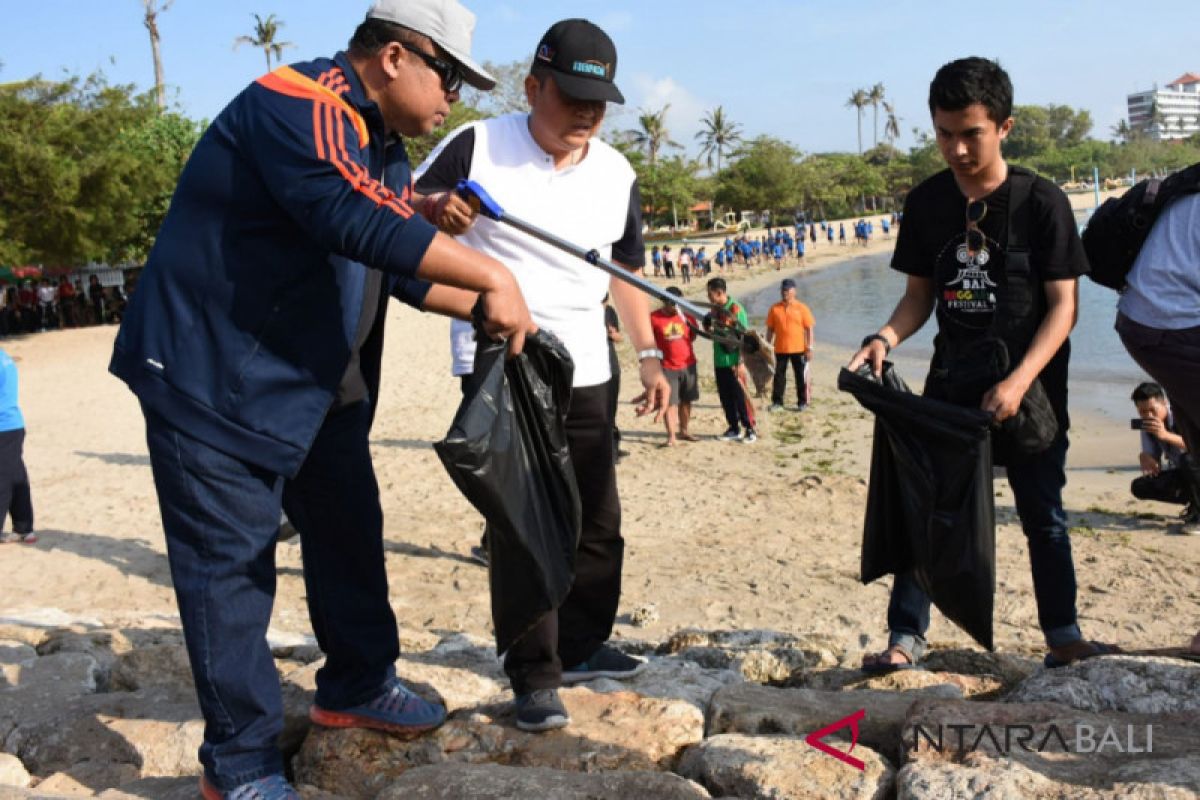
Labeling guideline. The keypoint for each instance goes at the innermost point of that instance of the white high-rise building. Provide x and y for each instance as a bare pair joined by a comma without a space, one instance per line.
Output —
1172,112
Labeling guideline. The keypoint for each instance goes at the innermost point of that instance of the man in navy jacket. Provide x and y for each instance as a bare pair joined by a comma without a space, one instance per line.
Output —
254,344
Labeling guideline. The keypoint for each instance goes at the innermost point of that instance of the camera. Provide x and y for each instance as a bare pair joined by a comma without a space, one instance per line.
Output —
1137,424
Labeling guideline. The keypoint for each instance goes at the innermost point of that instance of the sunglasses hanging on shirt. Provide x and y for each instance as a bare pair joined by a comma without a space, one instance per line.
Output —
975,249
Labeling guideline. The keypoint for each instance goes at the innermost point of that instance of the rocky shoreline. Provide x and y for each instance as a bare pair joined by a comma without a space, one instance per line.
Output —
88,710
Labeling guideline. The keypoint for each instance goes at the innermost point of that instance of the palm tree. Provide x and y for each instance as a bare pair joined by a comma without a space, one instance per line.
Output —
652,136
859,101
150,20
265,31
718,135
875,97
891,125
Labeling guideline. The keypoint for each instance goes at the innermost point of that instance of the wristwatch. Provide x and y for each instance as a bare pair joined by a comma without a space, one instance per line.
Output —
653,352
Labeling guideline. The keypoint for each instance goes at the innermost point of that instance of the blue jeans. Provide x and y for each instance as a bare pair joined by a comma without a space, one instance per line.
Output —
1037,485
221,519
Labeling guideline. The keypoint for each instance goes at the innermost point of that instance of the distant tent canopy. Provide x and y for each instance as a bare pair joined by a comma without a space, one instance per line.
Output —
28,272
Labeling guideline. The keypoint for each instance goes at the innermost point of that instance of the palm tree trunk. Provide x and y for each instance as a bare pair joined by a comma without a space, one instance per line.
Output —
875,124
151,23
267,50
860,131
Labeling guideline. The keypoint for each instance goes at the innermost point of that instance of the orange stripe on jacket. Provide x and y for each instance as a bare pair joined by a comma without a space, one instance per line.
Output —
286,80
330,137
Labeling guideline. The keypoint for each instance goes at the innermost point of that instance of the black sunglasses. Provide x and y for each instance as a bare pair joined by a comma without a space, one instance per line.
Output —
452,78
976,211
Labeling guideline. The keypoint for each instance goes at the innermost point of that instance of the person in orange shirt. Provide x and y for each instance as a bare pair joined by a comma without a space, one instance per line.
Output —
790,327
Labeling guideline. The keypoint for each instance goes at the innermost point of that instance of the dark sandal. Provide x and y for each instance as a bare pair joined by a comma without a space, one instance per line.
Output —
880,667
1098,649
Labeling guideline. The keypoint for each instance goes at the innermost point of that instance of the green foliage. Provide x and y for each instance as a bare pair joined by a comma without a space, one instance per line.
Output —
672,184
420,147
86,170
764,175
1040,128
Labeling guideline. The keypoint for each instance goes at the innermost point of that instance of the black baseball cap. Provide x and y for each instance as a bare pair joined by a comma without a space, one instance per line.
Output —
582,60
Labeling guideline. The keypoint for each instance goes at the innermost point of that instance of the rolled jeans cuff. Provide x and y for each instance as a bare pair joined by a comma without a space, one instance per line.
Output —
1061,637
913,644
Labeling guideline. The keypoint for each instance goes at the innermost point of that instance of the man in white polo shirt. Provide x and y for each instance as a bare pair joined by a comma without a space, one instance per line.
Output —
547,167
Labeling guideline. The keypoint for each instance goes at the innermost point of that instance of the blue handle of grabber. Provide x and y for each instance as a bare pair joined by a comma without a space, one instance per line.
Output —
487,206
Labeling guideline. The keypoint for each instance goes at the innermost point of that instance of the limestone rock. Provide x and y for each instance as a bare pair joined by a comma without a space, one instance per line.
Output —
498,782
1117,683
752,709
12,771
156,665
643,615
1005,779
1066,752
13,653
917,681
1010,668
672,678
761,656
30,635
615,731
87,778
157,730
42,620
782,768
155,789
48,679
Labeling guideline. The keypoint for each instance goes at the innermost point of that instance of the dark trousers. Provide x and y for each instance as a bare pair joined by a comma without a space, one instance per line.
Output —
1166,487
1037,485
614,393
1172,358
799,364
584,621
221,517
15,498
733,398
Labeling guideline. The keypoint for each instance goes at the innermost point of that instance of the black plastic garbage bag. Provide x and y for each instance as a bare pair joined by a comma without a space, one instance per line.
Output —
930,508
507,453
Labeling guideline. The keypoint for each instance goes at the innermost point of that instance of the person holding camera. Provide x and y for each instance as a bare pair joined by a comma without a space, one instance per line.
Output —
1169,475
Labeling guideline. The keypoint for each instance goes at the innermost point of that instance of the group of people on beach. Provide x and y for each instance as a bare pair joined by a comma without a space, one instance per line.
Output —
49,305
256,353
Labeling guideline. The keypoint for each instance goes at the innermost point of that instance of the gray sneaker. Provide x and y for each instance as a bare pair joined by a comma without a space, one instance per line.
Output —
7,536
541,710
607,662
28,538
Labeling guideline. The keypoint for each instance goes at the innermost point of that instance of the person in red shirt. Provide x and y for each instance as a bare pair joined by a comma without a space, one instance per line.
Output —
66,302
674,333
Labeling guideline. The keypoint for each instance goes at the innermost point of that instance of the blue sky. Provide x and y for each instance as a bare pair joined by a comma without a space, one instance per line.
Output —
779,68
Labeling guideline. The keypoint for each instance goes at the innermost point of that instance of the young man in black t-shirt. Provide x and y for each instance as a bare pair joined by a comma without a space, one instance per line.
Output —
954,248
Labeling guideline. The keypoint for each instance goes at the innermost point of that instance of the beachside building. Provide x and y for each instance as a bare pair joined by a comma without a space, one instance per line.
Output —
1172,112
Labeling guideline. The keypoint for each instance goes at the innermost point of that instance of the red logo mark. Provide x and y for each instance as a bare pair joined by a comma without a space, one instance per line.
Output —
815,738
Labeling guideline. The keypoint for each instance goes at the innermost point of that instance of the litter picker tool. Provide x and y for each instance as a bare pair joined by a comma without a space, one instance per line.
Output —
482,202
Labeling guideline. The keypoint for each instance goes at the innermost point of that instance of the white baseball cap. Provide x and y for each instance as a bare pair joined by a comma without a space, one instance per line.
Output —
446,22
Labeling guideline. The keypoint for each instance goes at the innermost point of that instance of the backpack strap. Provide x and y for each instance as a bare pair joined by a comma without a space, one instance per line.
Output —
1017,303
1019,222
